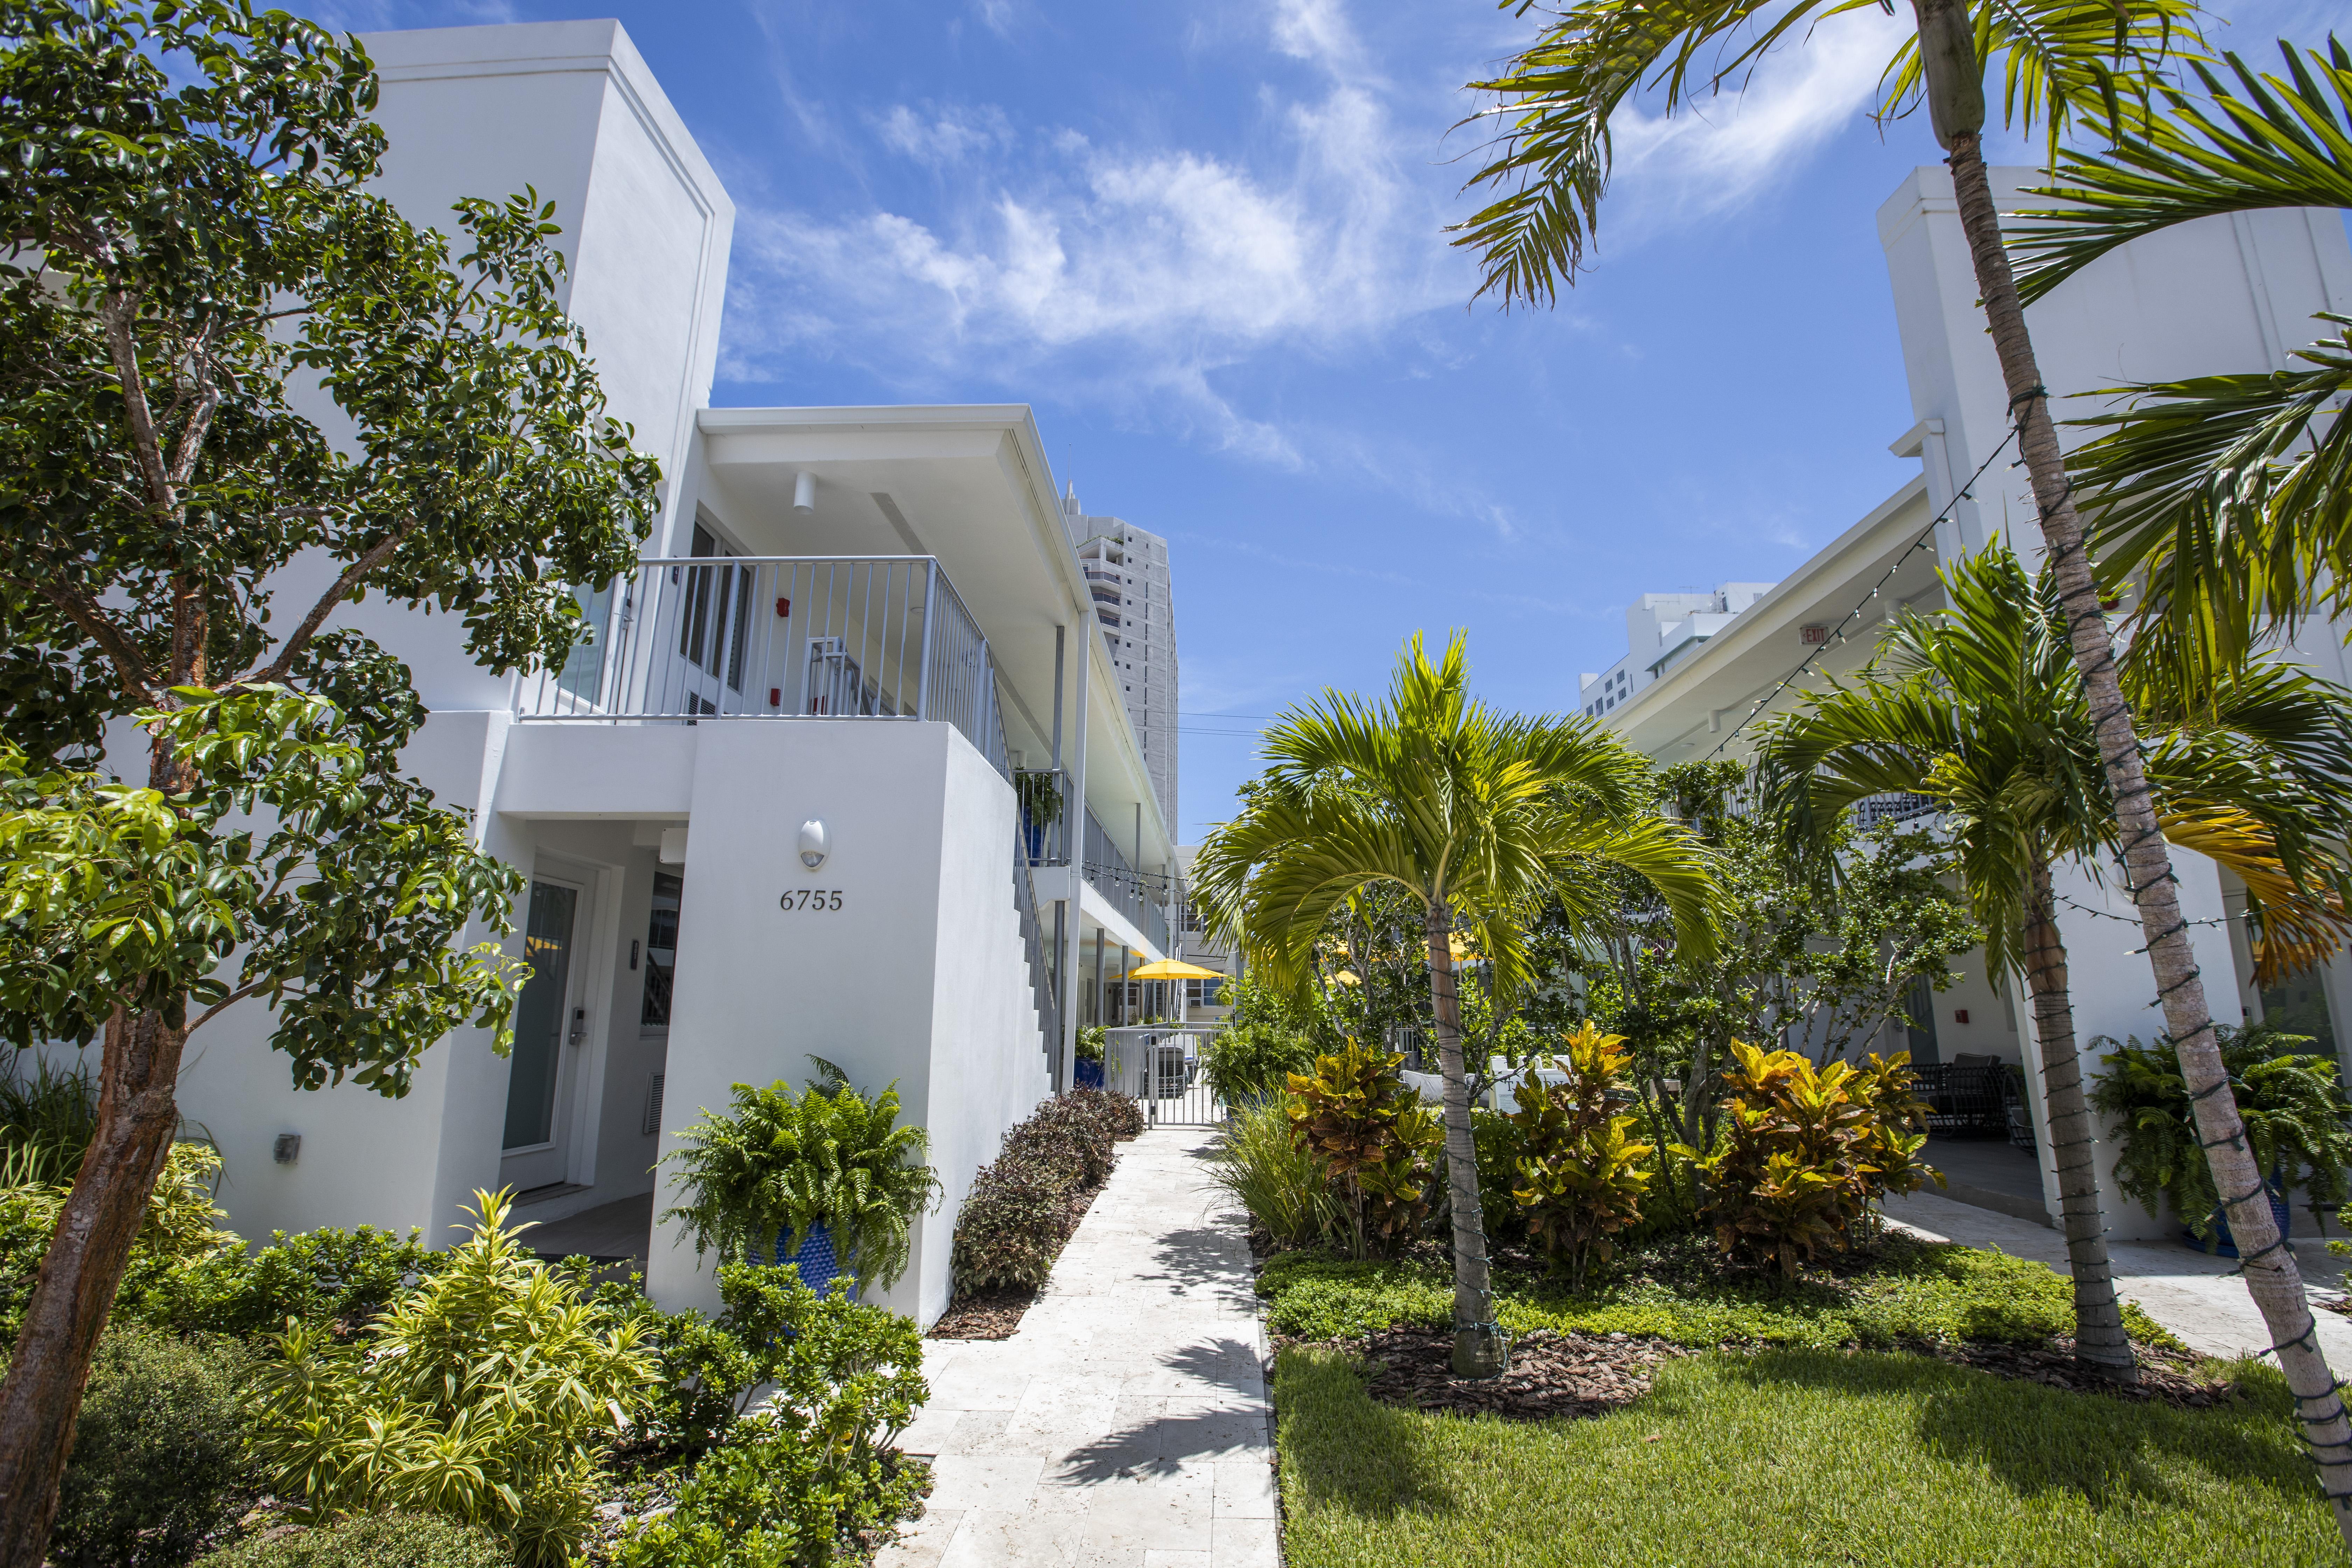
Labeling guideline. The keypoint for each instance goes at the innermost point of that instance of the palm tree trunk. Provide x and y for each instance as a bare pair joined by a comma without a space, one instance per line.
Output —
2100,1342
84,1266
1479,1348
2271,1277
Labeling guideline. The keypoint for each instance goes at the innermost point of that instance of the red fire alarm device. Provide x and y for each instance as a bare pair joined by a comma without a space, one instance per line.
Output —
776,700
783,609
1960,1015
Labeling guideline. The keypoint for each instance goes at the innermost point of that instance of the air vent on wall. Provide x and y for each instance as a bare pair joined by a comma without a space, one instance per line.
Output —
653,1104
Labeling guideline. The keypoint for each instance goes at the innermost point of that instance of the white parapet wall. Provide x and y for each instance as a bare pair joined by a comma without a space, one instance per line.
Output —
916,977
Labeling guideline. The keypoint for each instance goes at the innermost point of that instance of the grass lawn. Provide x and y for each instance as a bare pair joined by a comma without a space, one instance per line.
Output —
1674,1290
1798,1457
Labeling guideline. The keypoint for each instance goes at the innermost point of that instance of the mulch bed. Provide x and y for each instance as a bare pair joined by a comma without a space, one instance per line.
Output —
1554,1376
1551,1374
2184,1382
995,1314
984,1314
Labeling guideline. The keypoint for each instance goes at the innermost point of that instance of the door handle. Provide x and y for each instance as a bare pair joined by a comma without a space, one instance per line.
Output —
579,1026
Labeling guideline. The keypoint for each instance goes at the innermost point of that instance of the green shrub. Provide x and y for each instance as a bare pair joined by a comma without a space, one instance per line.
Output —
813,1464
1252,1062
1063,1134
159,1459
780,1163
1803,1151
1285,1185
178,1233
47,1120
1374,1136
1012,1225
1016,1217
2298,1121
1581,1178
370,1541
1094,1041
338,1277
1118,1115
482,1395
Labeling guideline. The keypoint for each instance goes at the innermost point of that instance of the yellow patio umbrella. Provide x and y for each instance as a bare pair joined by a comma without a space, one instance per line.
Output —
1174,969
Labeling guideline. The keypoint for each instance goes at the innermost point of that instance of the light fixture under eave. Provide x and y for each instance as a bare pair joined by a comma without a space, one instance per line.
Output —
804,492
813,845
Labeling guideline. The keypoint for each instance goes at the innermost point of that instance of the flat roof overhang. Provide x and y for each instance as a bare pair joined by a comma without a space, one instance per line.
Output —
967,484
1686,712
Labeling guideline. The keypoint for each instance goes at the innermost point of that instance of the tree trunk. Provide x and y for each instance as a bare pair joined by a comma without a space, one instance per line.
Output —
2271,1277
1480,1349
2100,1342
83,1268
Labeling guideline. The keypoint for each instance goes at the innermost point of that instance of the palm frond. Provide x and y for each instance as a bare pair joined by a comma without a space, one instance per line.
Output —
2231,494
2271,142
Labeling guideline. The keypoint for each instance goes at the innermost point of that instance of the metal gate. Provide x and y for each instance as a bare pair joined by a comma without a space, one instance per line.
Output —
1165,1068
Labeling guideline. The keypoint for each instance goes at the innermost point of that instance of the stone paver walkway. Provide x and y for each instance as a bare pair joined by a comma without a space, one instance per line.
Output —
1126,1424
2195,1296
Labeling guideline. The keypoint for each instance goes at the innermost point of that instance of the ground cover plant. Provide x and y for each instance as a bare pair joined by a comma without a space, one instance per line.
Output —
1798,1457
1676,1288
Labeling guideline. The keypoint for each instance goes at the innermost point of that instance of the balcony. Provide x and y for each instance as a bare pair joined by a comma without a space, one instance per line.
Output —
689,639
1138,895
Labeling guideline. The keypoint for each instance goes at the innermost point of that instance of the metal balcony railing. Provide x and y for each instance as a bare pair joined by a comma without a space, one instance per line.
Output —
1136,895
697,638
1895,806
1043,796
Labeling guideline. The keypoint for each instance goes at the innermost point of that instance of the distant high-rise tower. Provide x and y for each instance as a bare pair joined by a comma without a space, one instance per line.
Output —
1127,569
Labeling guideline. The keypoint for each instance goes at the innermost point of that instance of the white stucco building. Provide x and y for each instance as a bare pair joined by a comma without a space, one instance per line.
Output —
2232,293
869,619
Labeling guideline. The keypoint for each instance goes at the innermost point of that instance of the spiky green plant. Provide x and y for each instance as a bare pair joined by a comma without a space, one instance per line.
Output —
779,1163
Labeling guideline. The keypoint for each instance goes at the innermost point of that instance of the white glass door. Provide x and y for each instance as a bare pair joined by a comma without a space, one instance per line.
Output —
550,1025
714,622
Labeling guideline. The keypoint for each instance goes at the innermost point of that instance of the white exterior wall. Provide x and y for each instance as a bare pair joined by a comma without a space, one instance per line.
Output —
918,978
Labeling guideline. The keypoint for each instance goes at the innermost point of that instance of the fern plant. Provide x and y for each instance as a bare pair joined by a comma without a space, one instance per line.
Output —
1581,1178
779,1163
2293,1103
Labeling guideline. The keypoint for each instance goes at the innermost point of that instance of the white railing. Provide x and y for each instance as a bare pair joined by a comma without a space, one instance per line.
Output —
697,638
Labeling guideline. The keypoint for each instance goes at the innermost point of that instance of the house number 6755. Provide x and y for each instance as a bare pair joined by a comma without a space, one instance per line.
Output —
811,898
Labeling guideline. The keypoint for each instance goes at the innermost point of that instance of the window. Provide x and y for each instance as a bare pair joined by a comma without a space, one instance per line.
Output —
661,950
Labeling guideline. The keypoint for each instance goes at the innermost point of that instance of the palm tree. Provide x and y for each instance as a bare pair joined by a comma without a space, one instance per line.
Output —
2232,494
1982,709
2062,60
1478,815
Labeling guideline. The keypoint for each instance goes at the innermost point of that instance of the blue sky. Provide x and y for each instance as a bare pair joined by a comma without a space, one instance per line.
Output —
1204,241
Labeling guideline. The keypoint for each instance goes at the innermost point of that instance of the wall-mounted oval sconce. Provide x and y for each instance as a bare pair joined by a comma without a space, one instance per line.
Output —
813,845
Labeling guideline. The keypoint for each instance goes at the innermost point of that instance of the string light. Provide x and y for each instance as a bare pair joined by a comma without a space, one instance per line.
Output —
1836,637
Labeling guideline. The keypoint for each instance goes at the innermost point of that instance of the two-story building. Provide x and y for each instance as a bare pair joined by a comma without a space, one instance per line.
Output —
770,809
2231,293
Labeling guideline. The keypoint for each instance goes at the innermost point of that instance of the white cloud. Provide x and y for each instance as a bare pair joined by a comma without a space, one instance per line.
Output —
1132,274
1715,155
944,136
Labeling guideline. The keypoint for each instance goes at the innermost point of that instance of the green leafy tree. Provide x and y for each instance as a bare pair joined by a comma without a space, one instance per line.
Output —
227,370
1480,817
1813,967
2061,62
1980,708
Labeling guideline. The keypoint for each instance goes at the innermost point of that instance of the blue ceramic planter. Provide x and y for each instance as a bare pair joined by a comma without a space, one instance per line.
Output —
1087,1075
2223,1245
818,1263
